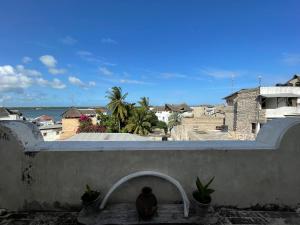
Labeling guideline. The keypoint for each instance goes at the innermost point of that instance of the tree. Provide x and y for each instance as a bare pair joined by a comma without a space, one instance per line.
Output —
174,120
144,103
162,125
108,121
117,105
139,122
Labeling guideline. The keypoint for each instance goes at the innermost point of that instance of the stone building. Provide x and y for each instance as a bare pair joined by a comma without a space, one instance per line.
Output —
248,110
243,114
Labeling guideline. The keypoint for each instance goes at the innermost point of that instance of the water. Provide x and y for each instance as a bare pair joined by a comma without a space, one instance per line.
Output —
31,113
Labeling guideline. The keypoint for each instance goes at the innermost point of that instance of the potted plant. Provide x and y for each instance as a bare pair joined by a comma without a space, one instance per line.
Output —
202,196
90,199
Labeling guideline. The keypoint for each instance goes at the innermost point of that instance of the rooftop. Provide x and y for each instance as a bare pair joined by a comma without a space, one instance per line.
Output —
107,137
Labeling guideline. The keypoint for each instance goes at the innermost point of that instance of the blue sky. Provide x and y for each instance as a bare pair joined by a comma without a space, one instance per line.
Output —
62,53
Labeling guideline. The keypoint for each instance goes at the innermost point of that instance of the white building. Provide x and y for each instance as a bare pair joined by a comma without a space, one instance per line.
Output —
51,132
8,114
163,112
44,120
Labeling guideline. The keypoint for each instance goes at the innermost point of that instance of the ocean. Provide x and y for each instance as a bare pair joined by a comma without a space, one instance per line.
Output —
31,113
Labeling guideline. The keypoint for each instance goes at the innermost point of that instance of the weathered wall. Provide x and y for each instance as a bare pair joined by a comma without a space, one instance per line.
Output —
245,173
244,111
184,132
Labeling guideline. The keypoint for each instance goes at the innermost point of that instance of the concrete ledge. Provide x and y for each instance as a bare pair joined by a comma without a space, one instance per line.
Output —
269,138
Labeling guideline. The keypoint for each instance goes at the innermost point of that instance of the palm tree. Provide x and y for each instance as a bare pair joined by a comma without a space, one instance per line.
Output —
117,104
174,120
139,122
144,103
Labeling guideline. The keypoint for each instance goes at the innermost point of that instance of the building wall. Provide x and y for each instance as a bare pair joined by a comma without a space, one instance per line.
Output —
163,116
11,117
246,110
53,176
51,134
70,126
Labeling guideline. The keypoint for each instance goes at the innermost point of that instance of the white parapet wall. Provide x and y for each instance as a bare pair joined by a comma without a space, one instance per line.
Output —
52,175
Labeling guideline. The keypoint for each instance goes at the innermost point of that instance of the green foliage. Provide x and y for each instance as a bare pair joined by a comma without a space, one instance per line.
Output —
126,117
89,195
108,121
117,105
174,120
144,103
162,125
139,122
203,192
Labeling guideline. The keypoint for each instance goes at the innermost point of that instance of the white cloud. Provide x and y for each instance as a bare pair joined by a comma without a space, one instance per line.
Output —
291,59
56,71
28,72
128,81
55,83
68,40
77,82
108,41
48,60
17,79
172,75
90,57
26,59
105,71
13,80
217,73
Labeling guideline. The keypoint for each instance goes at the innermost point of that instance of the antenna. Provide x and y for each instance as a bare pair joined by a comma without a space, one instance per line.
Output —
259,80
232,82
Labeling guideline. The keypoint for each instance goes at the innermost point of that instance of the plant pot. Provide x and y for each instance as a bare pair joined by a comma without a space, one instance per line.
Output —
92,206
201,208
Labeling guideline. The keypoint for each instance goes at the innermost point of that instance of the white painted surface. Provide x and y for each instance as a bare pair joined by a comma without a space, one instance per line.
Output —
280,91
186,202
163,116
281,112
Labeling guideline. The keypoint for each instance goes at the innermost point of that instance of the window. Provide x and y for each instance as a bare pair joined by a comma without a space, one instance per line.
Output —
253,128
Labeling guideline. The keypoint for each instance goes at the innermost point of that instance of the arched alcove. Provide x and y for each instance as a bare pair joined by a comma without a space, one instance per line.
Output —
186,202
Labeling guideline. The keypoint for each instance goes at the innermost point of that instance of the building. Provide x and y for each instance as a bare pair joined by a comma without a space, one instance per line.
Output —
248,110
163,112
51,132
70,120
44,120
208,110
9,114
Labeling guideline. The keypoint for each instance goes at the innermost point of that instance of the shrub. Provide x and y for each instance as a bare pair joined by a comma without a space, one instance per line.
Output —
91,129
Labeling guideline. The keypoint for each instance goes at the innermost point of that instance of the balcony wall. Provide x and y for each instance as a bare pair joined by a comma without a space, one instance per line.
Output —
281,111
52,175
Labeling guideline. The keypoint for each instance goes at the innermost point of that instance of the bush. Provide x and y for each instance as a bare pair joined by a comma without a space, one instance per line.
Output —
91,129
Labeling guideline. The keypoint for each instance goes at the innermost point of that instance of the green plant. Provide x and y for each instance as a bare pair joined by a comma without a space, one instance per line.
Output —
89,195
117,105
203,193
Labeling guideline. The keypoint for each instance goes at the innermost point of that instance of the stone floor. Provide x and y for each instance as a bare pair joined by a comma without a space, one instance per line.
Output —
222,216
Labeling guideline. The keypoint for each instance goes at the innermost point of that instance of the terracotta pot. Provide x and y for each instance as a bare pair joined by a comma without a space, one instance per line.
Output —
201,208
